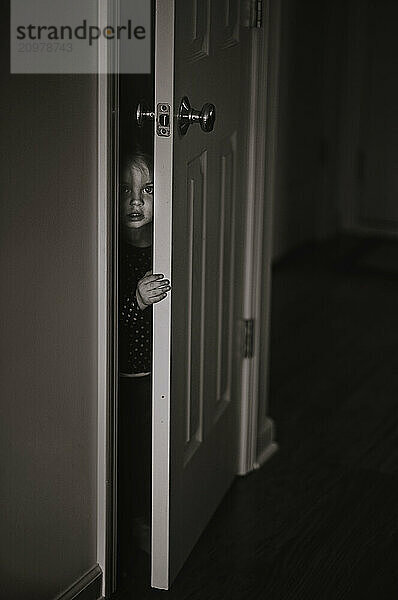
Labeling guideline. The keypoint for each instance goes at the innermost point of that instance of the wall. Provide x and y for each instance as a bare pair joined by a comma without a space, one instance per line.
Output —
48,429
369,145
312,52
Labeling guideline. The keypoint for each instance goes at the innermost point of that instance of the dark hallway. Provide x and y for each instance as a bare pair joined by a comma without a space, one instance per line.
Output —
320,519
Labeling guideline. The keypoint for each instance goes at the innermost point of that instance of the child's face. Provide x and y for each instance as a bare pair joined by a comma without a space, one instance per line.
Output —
136,196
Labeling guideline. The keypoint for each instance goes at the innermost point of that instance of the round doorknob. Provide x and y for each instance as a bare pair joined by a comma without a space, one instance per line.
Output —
143,114
207,117
188,116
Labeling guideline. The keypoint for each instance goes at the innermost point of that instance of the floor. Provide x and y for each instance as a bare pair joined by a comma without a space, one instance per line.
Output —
320,520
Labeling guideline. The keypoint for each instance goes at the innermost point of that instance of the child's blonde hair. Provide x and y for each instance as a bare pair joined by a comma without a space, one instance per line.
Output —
140,160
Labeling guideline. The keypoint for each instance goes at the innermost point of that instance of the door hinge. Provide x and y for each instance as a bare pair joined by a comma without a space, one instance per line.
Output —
248,338
257,13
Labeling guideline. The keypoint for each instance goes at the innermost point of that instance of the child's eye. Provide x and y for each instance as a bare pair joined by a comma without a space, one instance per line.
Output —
124,189
148,189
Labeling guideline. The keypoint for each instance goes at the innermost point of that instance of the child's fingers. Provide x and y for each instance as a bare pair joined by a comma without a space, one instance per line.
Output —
159,298
152,277
160,292
155,285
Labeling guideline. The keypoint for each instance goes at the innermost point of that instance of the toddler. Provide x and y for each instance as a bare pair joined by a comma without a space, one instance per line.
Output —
139,289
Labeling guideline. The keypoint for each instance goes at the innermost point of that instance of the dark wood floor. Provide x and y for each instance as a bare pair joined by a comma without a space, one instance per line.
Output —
320,520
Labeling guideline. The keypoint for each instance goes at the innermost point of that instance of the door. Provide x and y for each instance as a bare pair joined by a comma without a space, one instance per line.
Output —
199,224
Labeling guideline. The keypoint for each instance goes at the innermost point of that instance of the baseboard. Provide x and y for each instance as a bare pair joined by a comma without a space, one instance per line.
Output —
266,446
88,587
265,455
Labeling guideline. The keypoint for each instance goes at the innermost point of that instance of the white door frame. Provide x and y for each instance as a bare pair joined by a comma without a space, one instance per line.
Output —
256,438
107,301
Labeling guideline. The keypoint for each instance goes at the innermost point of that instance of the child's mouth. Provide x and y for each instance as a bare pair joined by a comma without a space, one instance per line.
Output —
135,216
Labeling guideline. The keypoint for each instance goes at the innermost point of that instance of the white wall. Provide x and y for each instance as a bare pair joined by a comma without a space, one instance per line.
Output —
48,333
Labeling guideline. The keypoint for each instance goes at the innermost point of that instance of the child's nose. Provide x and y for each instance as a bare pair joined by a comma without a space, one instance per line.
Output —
135,200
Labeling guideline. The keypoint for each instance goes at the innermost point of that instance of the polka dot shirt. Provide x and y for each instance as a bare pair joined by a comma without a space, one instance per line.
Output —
135,325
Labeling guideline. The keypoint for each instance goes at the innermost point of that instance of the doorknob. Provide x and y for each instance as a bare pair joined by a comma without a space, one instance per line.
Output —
143,114
188,116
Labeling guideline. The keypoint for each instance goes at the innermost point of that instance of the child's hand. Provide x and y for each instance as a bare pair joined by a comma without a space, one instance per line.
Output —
151,288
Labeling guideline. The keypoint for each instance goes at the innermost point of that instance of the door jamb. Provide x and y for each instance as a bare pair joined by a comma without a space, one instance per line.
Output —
256,438
107,275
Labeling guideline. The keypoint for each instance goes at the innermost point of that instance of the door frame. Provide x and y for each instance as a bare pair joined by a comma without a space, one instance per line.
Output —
256,436
107,300
256,428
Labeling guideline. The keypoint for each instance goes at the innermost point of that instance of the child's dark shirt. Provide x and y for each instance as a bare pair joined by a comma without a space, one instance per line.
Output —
135,325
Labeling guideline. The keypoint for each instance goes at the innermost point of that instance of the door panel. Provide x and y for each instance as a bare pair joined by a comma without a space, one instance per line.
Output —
230,32
226,273
198,16
199,225
196,230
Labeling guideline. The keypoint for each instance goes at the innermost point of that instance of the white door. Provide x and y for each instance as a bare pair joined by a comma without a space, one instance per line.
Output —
200,179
